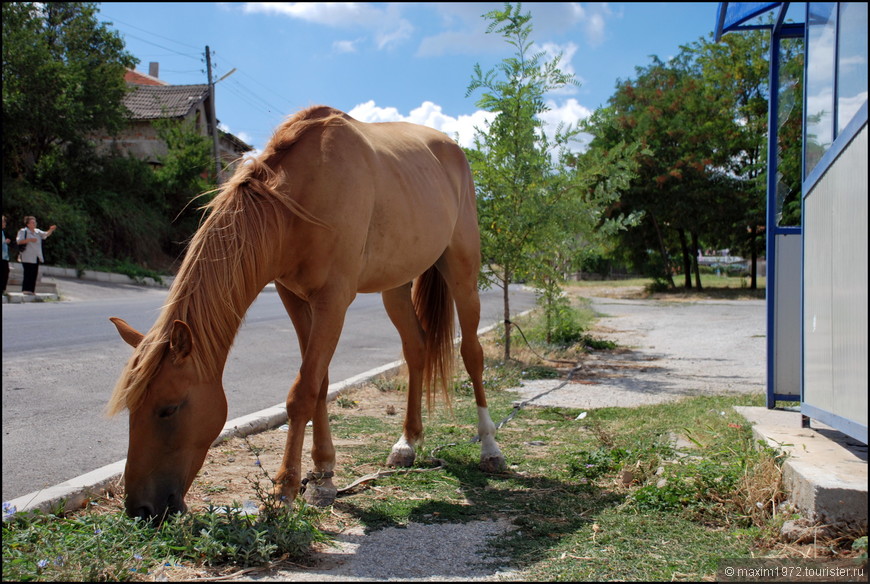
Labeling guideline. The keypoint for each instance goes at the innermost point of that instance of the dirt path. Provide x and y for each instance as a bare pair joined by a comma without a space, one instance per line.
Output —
667,350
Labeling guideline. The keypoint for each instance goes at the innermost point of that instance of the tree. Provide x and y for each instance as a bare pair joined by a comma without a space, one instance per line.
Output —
63,79
539,202
700,117
510,161
181,176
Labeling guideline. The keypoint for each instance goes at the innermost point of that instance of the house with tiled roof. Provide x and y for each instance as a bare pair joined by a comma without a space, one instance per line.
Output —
151,99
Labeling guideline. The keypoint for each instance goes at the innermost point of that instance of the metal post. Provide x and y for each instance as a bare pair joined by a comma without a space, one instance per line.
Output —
213,119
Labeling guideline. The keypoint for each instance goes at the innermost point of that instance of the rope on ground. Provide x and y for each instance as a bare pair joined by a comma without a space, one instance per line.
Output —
529,345
521,405
385,473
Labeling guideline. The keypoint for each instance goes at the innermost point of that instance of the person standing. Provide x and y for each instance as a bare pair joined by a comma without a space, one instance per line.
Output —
4,270
31,257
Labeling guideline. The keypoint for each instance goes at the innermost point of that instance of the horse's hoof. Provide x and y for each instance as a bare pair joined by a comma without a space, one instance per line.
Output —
320,495
401,458
278,498
493,464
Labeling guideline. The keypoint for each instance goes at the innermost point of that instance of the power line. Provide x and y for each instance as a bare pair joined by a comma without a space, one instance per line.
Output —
152,34
269,108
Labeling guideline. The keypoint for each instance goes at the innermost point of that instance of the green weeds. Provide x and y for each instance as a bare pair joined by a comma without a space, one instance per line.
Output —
91,547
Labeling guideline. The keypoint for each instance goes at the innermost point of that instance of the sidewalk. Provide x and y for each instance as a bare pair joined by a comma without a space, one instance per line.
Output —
47,282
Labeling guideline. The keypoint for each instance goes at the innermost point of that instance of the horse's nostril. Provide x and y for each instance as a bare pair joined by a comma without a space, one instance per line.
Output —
175,504
143,512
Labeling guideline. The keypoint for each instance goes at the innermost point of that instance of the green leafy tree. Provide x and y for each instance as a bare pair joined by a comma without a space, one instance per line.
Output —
63,79
537,201
701,121
511,161
183,179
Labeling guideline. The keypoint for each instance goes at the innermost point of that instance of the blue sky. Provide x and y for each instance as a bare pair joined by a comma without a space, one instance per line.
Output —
383,62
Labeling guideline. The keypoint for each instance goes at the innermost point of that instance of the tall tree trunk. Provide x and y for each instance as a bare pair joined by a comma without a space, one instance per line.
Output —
695,249
507,316
663,251
687,259
753,250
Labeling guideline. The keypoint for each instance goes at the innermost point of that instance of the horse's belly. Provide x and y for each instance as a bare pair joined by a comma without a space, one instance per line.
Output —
393,262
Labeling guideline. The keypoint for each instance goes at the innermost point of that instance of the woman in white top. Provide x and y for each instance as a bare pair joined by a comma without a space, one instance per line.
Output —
32,254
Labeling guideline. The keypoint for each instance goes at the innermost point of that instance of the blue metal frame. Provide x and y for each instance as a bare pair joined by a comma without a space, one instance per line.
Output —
777,33
731,17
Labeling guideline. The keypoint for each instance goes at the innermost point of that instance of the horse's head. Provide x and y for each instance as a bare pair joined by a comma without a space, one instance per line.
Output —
173,422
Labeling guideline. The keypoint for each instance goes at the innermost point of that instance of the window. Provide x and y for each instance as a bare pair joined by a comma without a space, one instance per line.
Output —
851,62
821,34
836,73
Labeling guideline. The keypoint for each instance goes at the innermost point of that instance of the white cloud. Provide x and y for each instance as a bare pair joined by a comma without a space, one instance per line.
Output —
567,51
465,28
344,46
386,25
571,112
461,129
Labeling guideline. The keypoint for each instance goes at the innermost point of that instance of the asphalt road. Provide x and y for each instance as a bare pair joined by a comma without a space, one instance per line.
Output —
61,361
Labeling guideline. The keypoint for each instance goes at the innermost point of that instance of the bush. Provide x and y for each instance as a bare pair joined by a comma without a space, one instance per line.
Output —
69,244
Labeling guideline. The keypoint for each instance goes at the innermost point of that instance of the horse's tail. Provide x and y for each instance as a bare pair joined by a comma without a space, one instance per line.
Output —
434,306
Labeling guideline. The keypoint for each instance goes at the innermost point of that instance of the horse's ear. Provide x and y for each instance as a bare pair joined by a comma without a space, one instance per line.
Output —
128,333
180,341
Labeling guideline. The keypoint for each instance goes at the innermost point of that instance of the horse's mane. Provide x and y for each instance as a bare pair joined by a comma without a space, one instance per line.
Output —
224,264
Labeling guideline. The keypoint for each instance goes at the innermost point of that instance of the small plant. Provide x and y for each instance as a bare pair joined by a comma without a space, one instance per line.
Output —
590,465
345,402
387,384
597,344
860,545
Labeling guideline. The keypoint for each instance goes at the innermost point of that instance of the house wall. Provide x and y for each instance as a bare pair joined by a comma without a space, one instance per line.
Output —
140,140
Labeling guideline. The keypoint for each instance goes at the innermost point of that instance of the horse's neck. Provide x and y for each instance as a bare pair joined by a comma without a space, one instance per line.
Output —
213,301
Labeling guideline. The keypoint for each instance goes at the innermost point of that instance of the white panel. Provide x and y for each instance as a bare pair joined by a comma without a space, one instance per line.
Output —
849,282
818,378
787,317
835,287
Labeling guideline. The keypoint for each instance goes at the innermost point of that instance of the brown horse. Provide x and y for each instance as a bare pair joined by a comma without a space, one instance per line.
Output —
331,208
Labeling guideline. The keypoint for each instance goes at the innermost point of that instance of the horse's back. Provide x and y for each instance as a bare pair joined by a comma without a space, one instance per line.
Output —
393,193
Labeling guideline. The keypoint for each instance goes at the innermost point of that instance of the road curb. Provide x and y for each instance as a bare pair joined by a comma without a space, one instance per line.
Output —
77,492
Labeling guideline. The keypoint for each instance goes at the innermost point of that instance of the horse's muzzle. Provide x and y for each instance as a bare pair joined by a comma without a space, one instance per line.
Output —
156,513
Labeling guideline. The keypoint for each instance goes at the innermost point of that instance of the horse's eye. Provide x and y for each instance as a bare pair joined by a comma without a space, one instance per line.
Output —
167,411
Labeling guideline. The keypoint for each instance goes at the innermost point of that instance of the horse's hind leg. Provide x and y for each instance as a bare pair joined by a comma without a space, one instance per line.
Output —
400,309
320,489
460,273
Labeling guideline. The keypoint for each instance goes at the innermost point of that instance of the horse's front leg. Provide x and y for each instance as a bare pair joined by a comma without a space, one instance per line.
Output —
319,488
318,330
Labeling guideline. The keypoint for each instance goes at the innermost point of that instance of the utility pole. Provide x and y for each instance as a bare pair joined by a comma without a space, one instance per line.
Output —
213,122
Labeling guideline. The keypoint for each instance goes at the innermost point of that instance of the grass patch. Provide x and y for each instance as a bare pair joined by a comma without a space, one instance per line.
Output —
90,547
586,496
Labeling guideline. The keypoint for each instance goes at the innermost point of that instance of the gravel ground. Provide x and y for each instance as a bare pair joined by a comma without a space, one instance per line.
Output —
416,553
668,350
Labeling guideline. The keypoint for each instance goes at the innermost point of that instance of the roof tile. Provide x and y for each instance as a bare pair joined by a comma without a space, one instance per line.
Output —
149,102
